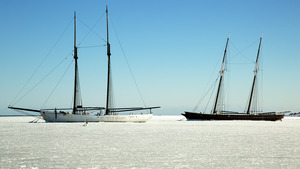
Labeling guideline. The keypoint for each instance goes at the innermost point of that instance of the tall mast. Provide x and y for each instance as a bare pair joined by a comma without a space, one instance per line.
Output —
76,66
221,77
254,79
107,111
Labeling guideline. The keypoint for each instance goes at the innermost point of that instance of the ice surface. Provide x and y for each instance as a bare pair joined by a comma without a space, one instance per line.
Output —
162,142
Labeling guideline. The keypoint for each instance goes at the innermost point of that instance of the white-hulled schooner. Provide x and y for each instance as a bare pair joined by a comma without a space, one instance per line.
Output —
92,114
113,114
76,114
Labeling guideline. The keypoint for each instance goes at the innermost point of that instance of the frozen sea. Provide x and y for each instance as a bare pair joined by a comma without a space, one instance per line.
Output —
162,142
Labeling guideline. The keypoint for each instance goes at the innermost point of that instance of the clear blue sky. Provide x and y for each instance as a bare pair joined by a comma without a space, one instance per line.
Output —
174,49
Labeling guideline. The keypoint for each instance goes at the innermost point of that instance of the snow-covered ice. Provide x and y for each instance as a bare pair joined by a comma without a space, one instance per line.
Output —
162,142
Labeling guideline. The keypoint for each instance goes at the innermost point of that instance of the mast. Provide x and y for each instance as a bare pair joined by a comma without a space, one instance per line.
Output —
254,79
107,111
76,66
221,78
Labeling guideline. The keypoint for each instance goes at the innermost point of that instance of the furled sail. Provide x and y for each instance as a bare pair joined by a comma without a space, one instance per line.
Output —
219,102
77,94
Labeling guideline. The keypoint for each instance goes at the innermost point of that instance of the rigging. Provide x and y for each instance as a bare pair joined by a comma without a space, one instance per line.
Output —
36,70
57,84
48,74
130,70
91,30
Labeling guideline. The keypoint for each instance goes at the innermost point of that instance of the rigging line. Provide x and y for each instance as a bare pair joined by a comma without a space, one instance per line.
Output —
203,93
261,80
201,99
44,77
91,29
36,70
247,103
208,82
36,119
211,95
227,79
57,83
241,52
135,82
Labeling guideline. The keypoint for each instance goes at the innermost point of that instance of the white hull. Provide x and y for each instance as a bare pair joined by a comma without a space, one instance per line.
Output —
134,118
51,116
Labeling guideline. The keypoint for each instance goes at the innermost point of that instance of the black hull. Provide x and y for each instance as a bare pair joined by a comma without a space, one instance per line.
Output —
201,116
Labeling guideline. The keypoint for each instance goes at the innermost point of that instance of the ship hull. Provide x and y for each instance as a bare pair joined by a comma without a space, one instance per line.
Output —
263,117
133,118
51,116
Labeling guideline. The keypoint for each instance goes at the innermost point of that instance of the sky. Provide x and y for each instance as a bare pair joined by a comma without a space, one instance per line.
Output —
173,49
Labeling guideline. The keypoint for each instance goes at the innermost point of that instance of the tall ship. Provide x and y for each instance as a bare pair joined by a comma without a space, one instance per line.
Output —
113,114
77,113
218,114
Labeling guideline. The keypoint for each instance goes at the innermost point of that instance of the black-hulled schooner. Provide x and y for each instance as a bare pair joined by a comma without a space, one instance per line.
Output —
219,114
113,114
76,114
